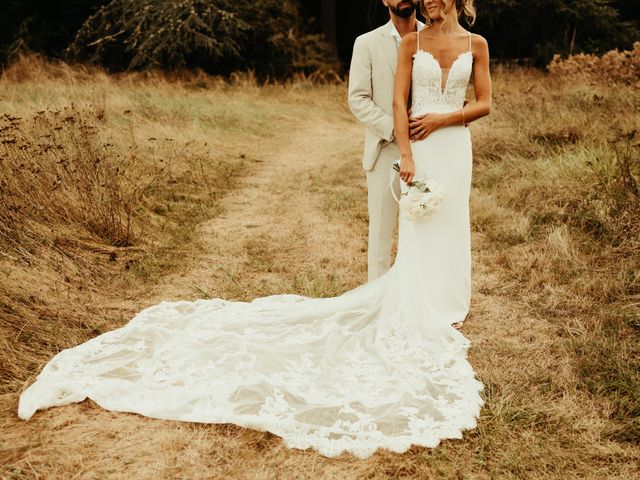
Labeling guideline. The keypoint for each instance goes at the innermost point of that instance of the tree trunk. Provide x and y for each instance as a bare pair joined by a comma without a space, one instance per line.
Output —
573,38
329,22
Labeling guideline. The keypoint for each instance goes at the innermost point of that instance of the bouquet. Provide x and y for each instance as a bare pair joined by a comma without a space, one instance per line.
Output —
422,198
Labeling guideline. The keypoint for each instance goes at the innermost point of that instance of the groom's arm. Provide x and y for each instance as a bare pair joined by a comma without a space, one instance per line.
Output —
361,93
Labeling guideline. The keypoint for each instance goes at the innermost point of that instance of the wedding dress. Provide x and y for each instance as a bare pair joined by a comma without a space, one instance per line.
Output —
377,367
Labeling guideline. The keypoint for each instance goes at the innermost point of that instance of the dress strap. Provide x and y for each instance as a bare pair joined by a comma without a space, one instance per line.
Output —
418,34
469,41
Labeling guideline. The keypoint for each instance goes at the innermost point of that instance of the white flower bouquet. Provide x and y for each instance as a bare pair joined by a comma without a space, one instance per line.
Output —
422,197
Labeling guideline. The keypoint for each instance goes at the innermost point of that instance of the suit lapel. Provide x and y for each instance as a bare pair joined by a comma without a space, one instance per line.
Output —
389,46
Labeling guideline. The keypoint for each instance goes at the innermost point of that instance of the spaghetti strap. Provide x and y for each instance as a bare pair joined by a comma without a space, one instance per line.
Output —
418,35
469,41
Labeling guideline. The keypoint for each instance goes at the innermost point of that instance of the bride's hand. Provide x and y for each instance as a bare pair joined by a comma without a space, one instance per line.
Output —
407,169
422,126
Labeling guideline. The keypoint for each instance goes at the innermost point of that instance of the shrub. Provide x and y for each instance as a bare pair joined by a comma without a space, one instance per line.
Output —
219,36
55,171
613,66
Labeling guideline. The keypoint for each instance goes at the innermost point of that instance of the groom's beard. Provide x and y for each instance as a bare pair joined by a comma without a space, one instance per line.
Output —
405,9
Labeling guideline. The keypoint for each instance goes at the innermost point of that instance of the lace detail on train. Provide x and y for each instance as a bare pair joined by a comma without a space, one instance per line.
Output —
335,382
428,93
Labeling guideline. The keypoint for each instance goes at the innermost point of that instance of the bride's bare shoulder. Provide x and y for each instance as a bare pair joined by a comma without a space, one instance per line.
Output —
478,42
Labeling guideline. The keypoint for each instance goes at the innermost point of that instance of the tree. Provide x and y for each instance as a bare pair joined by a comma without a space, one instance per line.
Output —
41,25
538,29
329,22
219,36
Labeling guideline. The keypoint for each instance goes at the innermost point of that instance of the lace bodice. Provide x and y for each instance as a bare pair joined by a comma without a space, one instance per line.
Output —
428,94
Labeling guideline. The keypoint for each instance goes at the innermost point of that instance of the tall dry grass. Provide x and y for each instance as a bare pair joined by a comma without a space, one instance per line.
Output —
558,193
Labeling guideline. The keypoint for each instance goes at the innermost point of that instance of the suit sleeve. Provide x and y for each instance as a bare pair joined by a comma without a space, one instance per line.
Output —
361,93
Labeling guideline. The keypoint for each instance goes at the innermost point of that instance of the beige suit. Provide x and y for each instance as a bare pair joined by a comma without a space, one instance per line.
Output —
371,78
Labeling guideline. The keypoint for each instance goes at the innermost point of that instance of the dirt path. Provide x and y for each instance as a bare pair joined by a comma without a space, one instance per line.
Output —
274,223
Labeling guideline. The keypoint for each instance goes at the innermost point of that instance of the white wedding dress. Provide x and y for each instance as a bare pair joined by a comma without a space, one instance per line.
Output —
377,367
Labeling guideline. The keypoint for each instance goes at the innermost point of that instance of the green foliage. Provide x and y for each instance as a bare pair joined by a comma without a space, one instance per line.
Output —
133,34
278,43
40,25
537,29
218,36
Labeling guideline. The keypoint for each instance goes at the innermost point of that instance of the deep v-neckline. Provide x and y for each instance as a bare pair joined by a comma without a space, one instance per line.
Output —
443,90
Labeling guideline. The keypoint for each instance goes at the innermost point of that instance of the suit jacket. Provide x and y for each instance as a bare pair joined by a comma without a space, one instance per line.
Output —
373,69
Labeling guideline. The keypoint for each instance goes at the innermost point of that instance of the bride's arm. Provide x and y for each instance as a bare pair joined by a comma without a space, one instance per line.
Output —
481,86
401,88
423,126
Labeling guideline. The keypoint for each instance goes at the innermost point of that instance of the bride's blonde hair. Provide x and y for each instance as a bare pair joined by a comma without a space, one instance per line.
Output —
465,8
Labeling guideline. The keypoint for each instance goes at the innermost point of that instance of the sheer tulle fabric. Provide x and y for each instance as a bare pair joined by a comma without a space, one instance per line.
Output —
377,367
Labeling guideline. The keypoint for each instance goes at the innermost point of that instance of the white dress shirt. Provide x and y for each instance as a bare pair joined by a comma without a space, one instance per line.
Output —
396,35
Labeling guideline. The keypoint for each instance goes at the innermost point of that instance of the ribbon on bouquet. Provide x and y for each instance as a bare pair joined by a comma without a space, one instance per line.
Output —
395,171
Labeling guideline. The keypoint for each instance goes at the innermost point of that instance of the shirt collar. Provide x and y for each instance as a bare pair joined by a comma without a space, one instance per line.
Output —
394,31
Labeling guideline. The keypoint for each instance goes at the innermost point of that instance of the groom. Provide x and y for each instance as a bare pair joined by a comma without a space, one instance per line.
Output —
373,67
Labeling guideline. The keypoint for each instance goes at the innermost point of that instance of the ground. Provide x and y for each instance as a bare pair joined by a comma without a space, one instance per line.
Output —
289,215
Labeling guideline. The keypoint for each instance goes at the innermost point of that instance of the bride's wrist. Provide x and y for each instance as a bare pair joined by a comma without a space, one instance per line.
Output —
452,118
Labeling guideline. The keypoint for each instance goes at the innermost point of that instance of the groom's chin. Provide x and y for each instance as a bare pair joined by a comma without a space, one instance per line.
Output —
405,12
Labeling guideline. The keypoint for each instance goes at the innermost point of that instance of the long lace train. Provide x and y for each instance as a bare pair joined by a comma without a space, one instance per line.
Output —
324,373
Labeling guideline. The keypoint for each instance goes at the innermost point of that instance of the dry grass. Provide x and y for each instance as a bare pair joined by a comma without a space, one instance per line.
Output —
567,242
614,66
556,247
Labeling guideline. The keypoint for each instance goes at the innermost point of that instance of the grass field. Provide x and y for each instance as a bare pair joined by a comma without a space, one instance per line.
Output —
119,192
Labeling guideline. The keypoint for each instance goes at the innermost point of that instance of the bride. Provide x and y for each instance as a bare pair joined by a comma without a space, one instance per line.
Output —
378,367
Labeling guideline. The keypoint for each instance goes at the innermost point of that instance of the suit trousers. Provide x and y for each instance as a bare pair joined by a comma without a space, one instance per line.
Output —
383,210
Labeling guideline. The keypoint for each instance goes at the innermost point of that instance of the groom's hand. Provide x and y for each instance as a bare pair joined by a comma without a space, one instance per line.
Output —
422,126
414,127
